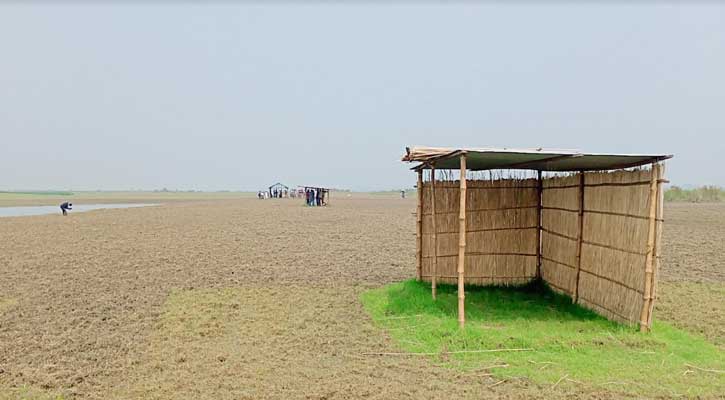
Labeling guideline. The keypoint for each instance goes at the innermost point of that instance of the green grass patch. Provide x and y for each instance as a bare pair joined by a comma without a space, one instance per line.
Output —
571,345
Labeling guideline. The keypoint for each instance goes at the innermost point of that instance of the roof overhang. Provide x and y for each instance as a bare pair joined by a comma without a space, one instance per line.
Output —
559,160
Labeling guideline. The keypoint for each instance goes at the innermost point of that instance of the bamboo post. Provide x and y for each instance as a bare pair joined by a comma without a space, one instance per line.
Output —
579,237
649,258
658,241
462,246
539,190
435,230
419,227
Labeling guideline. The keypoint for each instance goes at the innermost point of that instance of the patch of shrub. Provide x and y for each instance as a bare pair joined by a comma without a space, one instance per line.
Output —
702,194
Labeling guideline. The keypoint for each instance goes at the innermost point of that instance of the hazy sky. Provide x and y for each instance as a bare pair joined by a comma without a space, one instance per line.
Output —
241,96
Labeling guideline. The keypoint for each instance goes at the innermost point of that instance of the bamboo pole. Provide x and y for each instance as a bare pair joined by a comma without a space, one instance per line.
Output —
579,237
462,246
649,260
419,227
539,186
658,241
435,230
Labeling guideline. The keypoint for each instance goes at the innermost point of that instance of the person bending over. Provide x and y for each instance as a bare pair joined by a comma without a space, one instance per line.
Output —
65,207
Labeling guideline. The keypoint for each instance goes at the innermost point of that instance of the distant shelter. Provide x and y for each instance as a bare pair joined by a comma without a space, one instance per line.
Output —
278,191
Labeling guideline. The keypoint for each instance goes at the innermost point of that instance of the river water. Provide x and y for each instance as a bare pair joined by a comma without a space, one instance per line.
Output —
42,210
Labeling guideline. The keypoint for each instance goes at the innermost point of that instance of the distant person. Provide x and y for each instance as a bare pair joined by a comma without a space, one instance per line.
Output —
402,194
65,207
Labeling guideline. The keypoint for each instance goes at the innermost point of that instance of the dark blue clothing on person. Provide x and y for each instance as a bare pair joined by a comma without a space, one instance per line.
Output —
64,207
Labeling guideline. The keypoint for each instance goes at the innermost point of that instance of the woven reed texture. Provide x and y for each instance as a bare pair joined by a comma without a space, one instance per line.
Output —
501,236
560,228
614,240
500,218
615,245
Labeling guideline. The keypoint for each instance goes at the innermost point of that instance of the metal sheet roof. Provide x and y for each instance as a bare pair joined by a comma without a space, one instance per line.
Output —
478,159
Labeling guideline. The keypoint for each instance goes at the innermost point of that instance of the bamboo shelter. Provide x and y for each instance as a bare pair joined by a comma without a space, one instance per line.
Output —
588,225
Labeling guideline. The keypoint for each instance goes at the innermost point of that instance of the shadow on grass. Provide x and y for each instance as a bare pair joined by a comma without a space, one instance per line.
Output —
532,301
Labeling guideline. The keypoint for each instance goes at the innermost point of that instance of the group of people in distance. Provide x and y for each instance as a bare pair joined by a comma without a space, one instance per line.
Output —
316,197
275,194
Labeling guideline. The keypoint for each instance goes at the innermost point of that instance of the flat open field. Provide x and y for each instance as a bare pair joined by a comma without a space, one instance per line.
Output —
233,298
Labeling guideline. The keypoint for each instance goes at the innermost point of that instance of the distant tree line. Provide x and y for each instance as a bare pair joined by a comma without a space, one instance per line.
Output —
703,194
41,192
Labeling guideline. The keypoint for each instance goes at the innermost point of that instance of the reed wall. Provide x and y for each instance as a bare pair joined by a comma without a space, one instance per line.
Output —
501,223
594,238
559,232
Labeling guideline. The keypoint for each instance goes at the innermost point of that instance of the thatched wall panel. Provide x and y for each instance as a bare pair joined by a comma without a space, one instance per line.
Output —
612,261
610,299
616,231
561,222
560,181
618,266
559,277
619,176
559,192
484,269
508,241
559,249
493,209
559,253
499,219
481,220
618,199
482,198
561,198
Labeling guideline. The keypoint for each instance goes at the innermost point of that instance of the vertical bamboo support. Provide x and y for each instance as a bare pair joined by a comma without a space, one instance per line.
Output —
419,227
435,230
649,259
579,238
539,190
462,246
658,241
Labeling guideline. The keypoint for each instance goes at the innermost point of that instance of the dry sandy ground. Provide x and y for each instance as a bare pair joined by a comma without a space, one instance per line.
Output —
242,298
692,289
